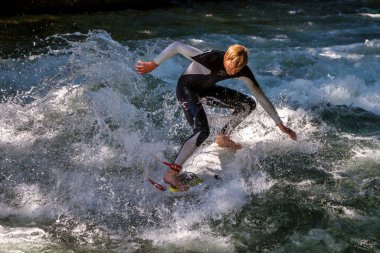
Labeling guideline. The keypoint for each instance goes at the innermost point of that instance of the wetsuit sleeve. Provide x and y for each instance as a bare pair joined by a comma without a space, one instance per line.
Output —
255,89
177,48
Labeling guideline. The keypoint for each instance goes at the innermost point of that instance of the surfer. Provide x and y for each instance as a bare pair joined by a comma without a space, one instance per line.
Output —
197,86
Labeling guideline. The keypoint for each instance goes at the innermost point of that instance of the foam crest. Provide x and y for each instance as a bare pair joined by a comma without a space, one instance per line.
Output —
353,91
199,240
371,15
349,90
82,126
19,240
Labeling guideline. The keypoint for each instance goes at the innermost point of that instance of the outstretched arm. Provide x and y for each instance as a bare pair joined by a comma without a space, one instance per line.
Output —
267,105
172,49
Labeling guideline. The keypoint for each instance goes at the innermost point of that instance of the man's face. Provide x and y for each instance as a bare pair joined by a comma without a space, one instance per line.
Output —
230,66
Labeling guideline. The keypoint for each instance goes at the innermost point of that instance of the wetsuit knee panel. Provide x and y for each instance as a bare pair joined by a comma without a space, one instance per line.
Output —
202,137
204,132
246,106
251,104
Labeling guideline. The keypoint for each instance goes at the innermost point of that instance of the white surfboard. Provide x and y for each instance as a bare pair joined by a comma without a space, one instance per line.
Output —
206,163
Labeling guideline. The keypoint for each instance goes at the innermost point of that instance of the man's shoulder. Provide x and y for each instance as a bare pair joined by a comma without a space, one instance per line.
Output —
210,53
218,52
211,59
246,72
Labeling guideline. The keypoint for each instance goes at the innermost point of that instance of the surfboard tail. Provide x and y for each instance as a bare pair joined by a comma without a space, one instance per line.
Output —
154,183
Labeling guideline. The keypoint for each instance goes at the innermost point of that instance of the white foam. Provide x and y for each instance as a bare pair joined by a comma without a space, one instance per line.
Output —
241,178
317,235
98,86
371,15
185,228
20,240
31,202
372,43
330,54
201,239
366,154
352,91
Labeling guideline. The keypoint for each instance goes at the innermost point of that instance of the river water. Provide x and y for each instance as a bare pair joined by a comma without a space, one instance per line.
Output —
76,122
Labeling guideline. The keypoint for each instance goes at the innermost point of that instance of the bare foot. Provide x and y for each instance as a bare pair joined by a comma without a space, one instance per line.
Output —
225,141
171,177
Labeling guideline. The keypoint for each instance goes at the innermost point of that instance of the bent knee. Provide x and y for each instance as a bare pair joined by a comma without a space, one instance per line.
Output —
246,106
203,135
250,104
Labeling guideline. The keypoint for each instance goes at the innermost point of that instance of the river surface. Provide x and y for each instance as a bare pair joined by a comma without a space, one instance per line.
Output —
76,121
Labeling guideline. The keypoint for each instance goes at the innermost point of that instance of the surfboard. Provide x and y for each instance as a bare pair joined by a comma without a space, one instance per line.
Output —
202,171
207,164
191,180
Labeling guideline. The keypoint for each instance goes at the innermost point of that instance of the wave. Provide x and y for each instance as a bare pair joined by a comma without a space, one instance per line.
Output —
71,152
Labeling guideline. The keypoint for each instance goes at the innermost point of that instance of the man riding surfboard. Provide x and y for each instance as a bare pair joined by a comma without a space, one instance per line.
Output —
197,86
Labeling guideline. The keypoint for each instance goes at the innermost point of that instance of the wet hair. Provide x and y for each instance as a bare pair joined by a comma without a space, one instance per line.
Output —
237,54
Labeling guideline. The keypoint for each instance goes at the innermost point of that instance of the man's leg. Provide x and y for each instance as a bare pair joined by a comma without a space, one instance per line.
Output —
242,104
197,119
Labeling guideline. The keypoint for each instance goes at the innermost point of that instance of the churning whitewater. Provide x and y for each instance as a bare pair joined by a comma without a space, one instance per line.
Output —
77,121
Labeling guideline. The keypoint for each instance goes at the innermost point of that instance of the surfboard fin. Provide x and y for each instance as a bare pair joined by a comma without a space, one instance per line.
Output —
155,184
171,166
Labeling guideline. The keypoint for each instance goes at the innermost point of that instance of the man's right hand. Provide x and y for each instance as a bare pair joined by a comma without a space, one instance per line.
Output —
145,67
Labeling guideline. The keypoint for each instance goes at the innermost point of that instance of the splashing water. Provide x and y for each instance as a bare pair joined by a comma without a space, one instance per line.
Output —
78,121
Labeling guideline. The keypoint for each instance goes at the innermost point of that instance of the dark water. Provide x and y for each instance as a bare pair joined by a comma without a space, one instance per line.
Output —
76,122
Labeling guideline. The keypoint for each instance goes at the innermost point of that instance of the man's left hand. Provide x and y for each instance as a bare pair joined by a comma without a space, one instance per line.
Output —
288,131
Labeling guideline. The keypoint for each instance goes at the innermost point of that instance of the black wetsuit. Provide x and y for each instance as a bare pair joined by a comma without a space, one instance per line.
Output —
197,85
195,89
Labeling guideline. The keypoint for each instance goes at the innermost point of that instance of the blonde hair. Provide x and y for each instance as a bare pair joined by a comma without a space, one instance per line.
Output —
238,54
